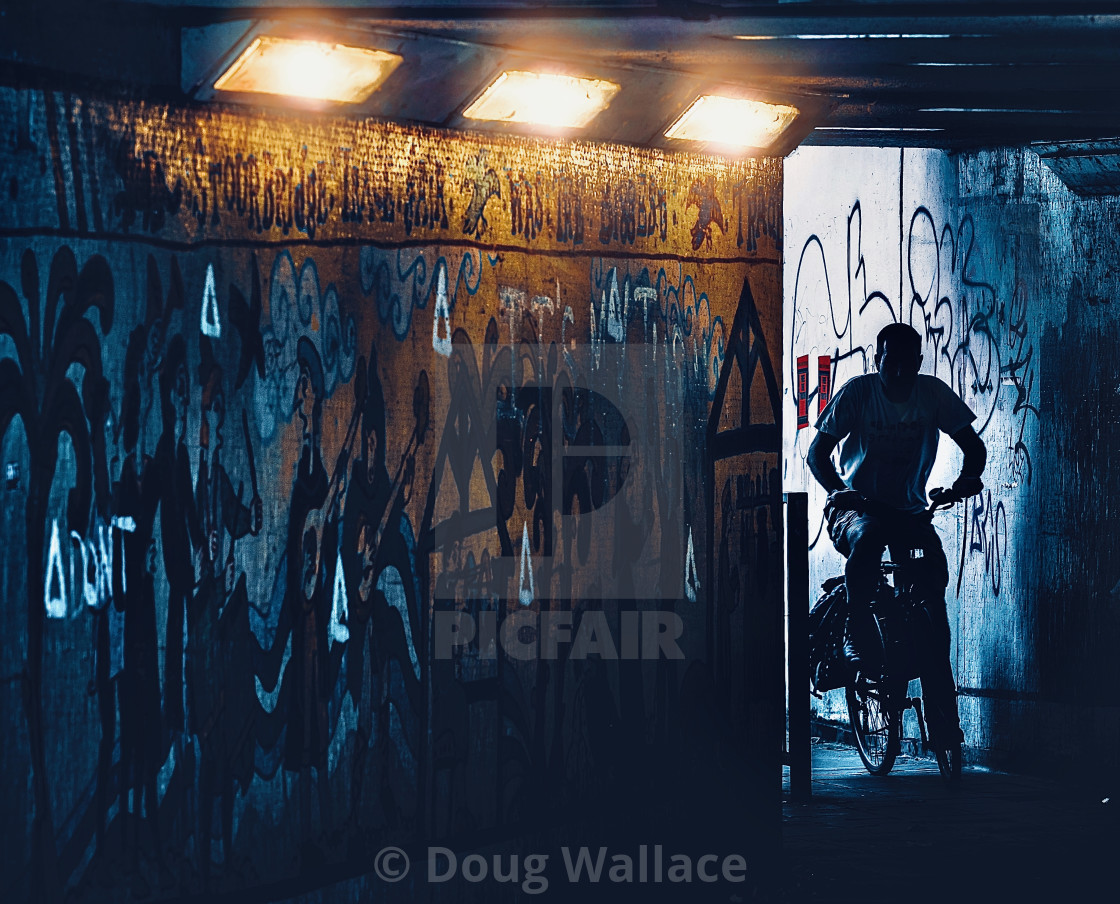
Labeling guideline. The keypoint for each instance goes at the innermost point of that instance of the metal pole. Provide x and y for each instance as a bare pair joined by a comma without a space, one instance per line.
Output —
797,631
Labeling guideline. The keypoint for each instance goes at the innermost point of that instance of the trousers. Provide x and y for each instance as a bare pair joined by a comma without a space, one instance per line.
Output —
861,538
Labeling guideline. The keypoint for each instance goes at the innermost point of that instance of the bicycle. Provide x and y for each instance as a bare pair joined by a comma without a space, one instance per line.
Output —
877,695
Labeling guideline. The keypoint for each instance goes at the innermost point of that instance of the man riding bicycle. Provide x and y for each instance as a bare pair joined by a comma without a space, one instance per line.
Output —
889,423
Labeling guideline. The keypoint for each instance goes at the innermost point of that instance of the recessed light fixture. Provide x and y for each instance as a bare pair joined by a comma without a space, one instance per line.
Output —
989,110
1005,64
854,37
731,121
874,129
542,99
308,69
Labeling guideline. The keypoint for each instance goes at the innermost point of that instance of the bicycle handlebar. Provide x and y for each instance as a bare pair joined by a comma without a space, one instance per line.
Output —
940,500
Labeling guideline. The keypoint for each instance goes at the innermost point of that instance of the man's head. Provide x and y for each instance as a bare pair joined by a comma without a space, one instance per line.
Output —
898,357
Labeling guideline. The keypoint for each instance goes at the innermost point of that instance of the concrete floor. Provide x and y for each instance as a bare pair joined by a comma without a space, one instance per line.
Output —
903,838
910,837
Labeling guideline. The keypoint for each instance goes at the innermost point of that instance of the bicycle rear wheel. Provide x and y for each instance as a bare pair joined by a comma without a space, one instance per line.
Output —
877,725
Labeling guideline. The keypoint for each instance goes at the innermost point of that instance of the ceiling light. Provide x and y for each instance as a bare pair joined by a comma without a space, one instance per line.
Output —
310,69
853,37
1007,65
874,129
542,99
732,121
988,110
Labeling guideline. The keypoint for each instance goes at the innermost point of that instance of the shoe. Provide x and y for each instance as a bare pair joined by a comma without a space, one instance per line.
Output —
949,763
851,654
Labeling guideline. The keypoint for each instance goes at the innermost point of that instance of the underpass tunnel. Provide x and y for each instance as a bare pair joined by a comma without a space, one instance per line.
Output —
403,502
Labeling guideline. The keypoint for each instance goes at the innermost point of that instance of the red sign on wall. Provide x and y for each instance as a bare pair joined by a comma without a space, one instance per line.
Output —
824,381
802,391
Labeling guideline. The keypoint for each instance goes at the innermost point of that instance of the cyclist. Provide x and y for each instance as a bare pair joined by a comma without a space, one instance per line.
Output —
889,423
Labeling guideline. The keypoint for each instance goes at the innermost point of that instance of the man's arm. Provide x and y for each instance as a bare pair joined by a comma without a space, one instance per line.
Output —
975,458
820,462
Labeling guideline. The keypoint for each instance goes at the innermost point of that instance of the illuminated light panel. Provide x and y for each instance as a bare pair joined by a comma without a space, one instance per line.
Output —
853,37
1000,65
542,99
732,121
990,110
874,129
308,69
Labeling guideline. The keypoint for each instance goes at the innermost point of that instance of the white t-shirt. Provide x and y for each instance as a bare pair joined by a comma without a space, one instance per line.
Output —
887,449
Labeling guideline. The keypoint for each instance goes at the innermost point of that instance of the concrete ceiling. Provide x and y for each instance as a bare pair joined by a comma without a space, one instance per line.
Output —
954,74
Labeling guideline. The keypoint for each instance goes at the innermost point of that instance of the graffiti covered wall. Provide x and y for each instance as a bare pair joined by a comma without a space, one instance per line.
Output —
289,404
1073,717
1007,276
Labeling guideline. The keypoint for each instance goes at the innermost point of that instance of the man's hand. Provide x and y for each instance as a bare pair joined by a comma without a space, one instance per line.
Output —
845,500
975,457
967,486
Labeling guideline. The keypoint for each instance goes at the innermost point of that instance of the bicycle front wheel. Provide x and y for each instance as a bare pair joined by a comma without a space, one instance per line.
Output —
877,725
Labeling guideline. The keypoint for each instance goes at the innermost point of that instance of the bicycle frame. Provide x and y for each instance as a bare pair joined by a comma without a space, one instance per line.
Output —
876,704
901,619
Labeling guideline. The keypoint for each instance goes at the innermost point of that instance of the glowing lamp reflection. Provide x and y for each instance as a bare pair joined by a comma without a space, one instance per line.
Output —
308,69
732,122
562,101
